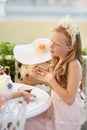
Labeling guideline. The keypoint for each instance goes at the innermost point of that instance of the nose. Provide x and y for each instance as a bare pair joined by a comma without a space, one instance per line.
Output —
52,45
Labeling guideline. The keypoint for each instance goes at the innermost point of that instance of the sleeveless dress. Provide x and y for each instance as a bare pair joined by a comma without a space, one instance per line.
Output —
59,116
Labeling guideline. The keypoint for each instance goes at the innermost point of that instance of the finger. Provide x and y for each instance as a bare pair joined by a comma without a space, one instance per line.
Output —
27,98
40,68
37,70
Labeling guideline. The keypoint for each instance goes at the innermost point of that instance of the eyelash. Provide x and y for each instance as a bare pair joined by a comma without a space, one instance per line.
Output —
55,43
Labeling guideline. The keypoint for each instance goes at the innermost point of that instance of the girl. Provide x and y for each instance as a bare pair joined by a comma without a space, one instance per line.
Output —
65,78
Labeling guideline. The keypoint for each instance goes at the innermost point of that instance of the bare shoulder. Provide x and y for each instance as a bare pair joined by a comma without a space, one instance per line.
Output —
75,68
75,63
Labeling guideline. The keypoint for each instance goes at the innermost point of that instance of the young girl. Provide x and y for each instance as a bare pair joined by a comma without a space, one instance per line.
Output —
65,79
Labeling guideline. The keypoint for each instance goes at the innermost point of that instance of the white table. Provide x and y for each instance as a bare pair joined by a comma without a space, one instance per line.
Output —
37,105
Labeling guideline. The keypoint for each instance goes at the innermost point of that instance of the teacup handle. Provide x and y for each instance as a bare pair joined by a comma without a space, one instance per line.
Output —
7,69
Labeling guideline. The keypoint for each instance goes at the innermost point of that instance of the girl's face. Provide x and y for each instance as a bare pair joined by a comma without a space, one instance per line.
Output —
58,47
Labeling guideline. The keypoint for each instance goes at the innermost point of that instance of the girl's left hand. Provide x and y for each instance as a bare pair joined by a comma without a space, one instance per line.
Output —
42,74
25,96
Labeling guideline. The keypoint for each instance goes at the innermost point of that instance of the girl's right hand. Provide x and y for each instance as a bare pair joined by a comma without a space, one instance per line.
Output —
42,74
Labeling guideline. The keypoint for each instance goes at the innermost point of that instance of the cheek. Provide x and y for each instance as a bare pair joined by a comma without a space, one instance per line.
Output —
64,49
58,50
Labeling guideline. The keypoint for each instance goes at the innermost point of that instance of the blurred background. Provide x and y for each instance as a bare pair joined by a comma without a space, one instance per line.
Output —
22,21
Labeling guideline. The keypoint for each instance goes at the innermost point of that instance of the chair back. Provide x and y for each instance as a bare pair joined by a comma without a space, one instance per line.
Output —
13,114
84,125
84,65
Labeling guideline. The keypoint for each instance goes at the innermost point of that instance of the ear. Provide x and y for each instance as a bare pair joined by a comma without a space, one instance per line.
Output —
70,48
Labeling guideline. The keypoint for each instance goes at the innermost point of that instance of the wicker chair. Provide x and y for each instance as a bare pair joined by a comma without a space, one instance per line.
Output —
24,75
84,66
85,83
12,116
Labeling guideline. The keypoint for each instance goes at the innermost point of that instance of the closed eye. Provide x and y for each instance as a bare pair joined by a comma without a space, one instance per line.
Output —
55,43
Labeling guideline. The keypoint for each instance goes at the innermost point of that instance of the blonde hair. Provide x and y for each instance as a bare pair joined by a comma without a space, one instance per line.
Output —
61,70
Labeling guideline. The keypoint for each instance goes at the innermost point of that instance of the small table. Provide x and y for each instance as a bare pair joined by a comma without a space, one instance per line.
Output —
37,105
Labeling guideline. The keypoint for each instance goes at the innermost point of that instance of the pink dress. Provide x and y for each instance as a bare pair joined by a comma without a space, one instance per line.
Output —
59,116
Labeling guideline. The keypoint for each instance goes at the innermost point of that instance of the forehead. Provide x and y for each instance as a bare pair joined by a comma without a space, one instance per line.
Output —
58,37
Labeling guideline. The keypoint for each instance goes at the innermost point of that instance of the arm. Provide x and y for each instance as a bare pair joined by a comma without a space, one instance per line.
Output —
11,95
74,77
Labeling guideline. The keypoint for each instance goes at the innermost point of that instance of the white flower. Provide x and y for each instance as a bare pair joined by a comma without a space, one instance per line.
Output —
8,57
41,45
70,27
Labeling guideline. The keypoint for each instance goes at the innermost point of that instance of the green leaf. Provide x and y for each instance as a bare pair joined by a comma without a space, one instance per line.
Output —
84,51
6,48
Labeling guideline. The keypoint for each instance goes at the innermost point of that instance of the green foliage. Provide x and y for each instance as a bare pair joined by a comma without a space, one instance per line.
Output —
84,51
6,48
7,58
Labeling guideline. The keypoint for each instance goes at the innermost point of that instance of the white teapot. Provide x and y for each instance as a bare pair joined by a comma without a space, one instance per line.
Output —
5,82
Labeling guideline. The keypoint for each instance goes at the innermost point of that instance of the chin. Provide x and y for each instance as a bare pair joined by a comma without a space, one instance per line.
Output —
52,55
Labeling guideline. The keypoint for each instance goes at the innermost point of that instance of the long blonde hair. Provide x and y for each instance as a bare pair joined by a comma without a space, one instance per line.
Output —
61,70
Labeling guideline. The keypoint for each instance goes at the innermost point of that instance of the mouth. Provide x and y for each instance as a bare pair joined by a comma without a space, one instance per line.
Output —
51,51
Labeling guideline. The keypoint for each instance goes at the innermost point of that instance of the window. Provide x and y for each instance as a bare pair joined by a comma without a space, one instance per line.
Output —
47,8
